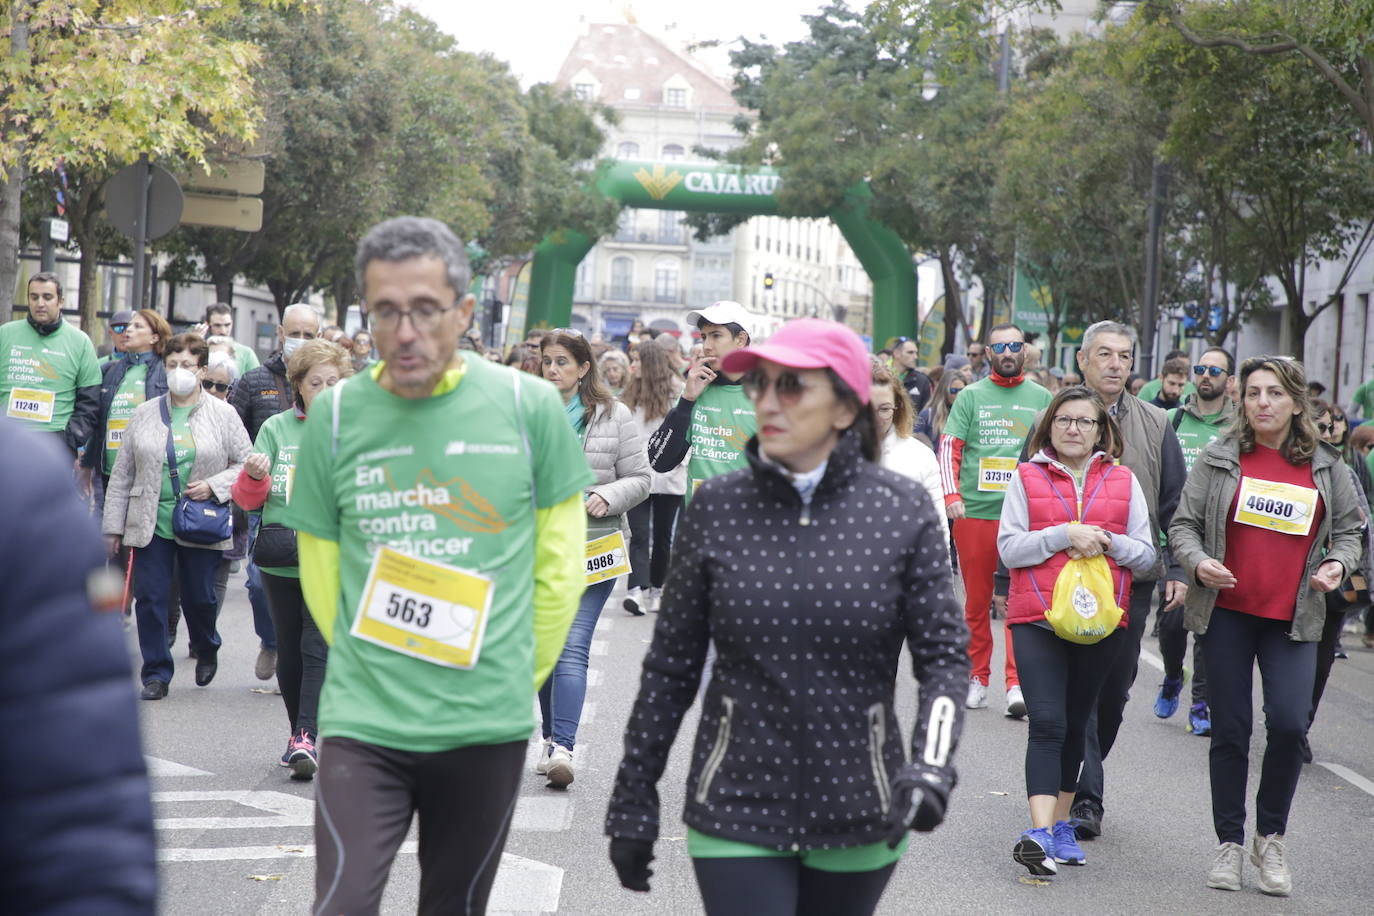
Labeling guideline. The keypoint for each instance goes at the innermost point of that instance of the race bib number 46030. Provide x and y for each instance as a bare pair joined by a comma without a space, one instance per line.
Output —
1282,507
424,609
30,404
994,474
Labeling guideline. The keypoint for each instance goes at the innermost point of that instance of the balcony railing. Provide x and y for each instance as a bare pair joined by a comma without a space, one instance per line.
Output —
676,237
616,293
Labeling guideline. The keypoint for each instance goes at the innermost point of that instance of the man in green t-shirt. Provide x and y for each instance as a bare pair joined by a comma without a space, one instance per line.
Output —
1155,386
49,374
219,321
713,419
978,456
1362,401
442,545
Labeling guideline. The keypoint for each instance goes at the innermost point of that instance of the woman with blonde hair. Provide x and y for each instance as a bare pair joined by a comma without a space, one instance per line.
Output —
903,452
615,370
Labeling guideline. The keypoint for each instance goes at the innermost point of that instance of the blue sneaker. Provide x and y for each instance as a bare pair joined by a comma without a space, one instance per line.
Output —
1200,720
1066,848
1166,704
1035,850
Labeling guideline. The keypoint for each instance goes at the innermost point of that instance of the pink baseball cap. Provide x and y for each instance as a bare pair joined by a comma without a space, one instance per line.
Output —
811,343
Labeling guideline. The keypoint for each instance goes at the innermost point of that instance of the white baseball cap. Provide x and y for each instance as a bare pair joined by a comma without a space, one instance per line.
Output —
723,311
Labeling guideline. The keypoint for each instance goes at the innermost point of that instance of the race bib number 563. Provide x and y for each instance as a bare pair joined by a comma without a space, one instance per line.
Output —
1282,507
424,609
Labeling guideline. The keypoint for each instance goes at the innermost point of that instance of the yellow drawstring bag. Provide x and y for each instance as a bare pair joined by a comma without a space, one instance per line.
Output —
1083,609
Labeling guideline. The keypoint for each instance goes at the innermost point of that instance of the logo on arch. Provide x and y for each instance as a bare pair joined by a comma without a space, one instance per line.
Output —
660,182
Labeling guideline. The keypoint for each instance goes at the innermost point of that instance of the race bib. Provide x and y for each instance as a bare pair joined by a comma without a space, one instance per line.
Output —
607,558
31,404
696,485
114,433
423,609
1282,507
994,474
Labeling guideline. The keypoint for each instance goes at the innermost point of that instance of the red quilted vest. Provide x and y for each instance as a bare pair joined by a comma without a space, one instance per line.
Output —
1052,499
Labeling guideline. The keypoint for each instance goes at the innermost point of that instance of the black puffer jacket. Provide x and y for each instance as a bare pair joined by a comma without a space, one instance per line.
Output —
808,607
262,393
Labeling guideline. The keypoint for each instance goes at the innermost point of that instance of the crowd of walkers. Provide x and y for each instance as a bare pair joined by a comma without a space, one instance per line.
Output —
429,538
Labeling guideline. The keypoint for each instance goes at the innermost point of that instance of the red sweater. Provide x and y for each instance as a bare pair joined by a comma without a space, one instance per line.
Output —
1268,565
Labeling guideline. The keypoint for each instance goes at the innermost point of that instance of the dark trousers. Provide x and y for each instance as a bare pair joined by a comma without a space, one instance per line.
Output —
766,886
1173,648
301,652
257,598
1234,643
1336,609
195,571
365,797
1105,721
649,552
1060,681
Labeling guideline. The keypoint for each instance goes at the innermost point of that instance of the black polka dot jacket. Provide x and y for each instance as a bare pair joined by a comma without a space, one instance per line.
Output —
808,607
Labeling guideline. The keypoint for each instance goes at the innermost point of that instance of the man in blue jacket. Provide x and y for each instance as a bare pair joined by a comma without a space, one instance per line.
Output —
76,834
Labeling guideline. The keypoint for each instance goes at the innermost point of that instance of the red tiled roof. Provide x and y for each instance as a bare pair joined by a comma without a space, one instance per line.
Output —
623,56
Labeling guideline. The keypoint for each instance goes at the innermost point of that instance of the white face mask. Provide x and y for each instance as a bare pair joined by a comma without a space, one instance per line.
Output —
181,382
290,345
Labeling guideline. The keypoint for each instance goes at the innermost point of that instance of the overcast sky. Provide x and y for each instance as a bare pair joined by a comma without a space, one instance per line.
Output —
535,35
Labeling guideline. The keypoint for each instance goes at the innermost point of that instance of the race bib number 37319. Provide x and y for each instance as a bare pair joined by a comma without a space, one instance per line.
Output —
424,609
1282,507
994,474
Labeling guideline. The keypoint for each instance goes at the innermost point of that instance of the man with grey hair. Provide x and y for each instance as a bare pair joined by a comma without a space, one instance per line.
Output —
441,530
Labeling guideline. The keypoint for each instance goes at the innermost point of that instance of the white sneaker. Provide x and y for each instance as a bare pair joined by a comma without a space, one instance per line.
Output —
1268,855
542,766
1225,873
634,601
1016,703
653,598
977,695
560,767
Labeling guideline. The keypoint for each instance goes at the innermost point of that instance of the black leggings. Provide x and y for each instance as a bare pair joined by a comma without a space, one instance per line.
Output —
649,555
766,886
365,797
1060,681
1336,609
1173,648
301,651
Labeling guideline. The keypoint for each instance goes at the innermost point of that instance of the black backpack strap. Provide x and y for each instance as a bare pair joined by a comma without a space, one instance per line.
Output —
171,450
1177,418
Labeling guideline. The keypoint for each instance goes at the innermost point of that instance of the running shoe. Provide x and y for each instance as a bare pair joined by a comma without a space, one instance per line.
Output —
303,760
1066,848
286,754
634,602
1166,704
1269,856
542,766
653,599
977,695
1016,702
1035,850
560,769
1200,720
1086,818
1225,873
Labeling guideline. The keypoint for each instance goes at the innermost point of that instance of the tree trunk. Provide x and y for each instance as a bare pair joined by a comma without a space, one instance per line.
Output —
87,293
13,189
954,304
224,288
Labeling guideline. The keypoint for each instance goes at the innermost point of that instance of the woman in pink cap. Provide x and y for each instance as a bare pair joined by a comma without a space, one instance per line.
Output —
807,569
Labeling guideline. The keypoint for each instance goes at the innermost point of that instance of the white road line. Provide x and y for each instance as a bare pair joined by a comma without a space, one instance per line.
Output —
1350,776
604,623
1153,660
286,810
157,767
593,677
600,647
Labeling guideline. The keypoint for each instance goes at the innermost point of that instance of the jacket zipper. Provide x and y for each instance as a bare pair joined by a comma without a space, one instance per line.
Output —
877,737
717,756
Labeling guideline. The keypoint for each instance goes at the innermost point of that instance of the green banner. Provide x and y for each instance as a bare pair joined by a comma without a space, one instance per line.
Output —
698,187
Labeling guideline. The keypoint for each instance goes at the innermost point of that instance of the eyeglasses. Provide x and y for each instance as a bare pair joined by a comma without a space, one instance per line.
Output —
1213,371
1084,424
424,317
1325,428
221,387
1000,348
119,328
788,386
887,410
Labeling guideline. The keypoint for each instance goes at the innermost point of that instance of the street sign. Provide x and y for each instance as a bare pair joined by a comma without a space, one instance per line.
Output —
240,177
122,200
59,230
223,211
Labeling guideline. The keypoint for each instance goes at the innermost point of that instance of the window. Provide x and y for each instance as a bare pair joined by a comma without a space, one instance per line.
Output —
625,229
665,281
622,278
669,227
582,286
628,150
673,152
675,97
584,91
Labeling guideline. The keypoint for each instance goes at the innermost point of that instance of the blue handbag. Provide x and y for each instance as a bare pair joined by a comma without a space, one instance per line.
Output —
195,521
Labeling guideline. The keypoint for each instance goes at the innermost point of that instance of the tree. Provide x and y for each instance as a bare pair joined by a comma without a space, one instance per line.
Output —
99,82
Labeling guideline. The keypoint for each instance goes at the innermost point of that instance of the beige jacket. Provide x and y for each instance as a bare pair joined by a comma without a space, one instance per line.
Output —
136,482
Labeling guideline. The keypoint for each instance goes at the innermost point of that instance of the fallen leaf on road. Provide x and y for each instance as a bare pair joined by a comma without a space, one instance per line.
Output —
270,691
997,793
266,877
1033,882
291,849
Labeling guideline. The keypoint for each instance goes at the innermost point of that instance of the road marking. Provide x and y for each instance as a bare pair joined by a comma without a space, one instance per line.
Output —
1350,776
604,623
599,647
593,677
157,767
286,810
1153,660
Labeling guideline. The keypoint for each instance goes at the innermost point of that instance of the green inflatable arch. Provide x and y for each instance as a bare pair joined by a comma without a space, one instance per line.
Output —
726,189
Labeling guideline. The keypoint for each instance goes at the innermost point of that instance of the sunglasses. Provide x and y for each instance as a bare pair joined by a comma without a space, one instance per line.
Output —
1000,348
788,386
1213,371
954,391
221,387
1325,428
119,328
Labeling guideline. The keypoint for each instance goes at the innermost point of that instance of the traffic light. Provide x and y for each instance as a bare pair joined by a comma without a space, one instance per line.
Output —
768,280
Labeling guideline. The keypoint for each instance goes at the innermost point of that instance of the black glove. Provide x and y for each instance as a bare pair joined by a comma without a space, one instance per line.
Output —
631,859
919,797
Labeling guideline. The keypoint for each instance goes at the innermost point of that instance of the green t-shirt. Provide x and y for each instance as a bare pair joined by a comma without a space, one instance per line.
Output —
1154,386
184,446
247,358
1194,435
279,438
1364,399
129,396
723,422
993,423
447,479
39,375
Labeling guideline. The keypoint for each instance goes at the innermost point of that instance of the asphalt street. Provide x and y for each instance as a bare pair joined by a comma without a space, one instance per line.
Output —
236,839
